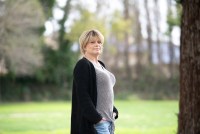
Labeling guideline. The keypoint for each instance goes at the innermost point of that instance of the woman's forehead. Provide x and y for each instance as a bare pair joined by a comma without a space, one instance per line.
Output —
94,38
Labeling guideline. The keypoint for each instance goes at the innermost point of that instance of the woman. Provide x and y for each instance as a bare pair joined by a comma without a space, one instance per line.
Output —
93,111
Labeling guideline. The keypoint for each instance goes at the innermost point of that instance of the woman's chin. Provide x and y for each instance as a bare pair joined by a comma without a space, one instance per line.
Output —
98,52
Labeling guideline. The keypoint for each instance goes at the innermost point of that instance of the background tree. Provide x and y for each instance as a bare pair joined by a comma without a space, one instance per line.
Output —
189,115
126,4
173,19
58,62
86,21
138,38
48,7
125,47
20,35
158,32
149,33
20,45
170,28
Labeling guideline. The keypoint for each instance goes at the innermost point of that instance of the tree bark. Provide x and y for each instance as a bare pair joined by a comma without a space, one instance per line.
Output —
189,105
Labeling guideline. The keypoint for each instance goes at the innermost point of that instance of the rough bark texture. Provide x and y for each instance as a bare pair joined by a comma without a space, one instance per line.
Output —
189,115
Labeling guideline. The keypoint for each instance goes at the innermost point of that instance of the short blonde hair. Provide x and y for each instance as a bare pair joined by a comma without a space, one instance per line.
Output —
87,36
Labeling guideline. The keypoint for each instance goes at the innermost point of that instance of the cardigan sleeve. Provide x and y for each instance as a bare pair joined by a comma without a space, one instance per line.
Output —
82,81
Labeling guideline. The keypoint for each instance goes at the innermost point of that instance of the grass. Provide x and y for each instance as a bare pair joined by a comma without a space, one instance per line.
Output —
147,117
136,117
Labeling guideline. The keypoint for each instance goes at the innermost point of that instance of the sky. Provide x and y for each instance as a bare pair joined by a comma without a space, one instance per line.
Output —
90,4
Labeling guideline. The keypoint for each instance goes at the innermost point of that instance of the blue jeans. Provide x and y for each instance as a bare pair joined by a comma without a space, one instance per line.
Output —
105,127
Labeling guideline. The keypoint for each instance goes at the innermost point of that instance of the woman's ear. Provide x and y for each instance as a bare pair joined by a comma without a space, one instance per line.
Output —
84,48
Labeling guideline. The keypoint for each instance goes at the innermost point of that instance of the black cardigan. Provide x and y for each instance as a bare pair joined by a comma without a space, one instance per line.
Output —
84,99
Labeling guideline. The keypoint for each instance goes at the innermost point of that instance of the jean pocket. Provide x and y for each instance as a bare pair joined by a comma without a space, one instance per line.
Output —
102,127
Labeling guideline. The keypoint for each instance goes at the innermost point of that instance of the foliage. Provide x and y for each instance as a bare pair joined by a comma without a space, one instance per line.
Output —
20,38
86,21
25,82
38,72
174,17
120,26
150,85
58,65
30,89
47,7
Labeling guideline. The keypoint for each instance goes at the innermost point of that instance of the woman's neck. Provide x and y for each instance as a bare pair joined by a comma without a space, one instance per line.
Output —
93,59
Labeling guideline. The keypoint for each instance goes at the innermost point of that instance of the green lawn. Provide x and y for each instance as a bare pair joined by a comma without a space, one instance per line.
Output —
136,117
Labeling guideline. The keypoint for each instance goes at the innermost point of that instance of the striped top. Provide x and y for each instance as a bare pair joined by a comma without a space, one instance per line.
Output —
105,94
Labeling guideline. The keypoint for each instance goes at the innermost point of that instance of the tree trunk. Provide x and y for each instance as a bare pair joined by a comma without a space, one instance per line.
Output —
126,48
62,22
64,47
157,22
170,44
138,40
171,57
149,33
189,106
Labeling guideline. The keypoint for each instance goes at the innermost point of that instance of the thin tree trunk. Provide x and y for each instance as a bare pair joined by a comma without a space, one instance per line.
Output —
149,33
62,22
171,56
62,42
138,39
126,48
171,46
157,21
189,105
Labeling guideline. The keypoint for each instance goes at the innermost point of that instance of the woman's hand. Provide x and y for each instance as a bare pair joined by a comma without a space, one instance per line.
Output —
102,120
114,115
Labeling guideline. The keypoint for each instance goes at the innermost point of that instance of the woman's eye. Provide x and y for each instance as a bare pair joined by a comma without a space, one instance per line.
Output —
93,42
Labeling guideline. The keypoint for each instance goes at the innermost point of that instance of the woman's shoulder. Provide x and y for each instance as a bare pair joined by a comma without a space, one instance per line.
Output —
82,63
83,66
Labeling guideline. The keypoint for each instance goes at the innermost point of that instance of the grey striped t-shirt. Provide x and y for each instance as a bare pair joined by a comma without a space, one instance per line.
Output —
105,94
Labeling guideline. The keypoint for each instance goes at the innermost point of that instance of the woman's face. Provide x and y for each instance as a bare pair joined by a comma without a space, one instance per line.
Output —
94,47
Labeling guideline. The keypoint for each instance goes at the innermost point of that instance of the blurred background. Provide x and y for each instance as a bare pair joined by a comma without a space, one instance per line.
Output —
39,48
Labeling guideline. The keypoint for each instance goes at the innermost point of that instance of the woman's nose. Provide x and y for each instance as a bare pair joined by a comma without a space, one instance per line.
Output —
97,44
